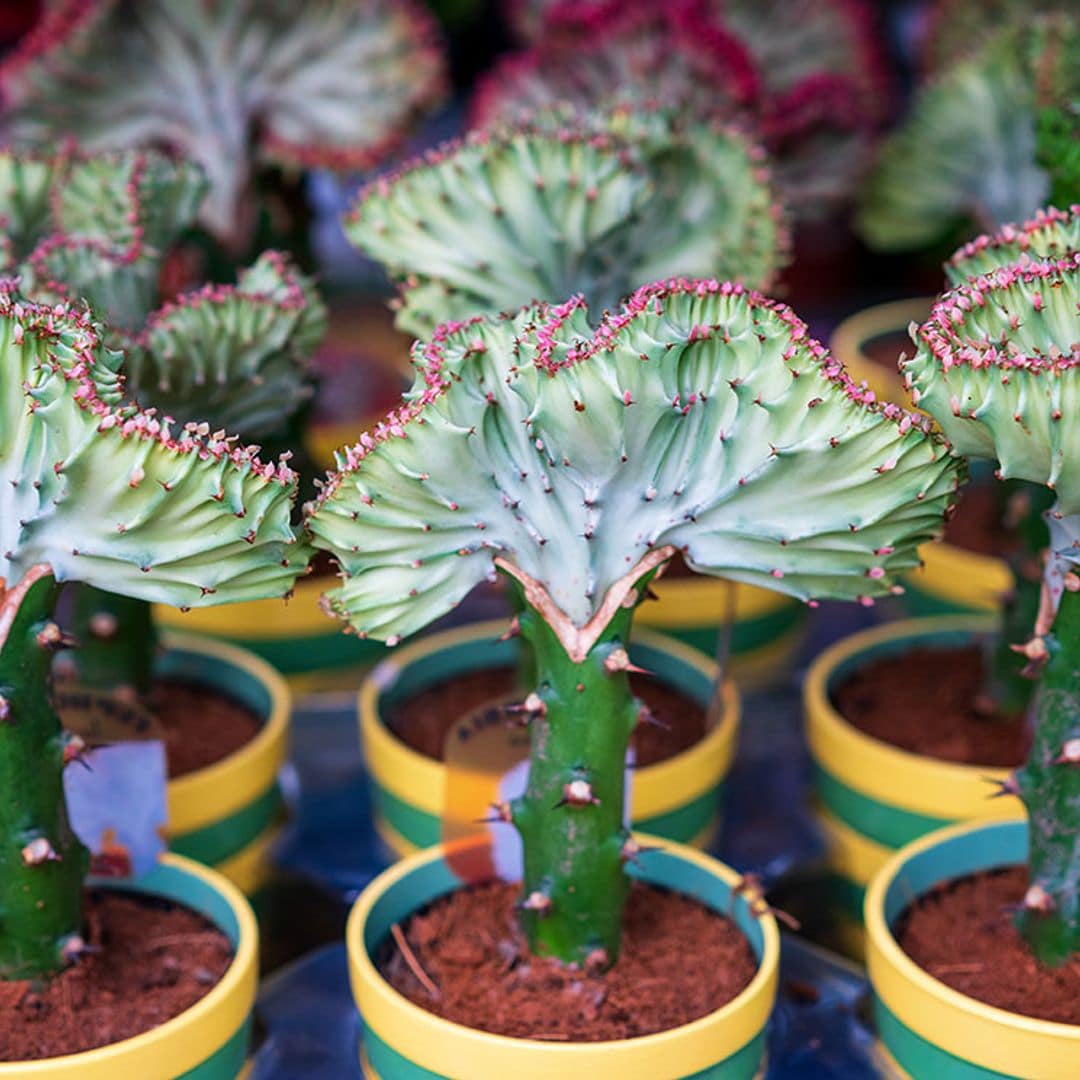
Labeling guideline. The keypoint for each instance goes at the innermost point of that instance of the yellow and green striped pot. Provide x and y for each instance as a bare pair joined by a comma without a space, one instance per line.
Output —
851,337
401,1041
679,799
872,798
210,1040
766,630
927,1029
295,636
227,815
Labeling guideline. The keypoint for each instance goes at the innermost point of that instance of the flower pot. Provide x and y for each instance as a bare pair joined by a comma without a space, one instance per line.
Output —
295,636
678,799
401,1039
872,798
927,1028
766,629
854,340
227,814
209,1041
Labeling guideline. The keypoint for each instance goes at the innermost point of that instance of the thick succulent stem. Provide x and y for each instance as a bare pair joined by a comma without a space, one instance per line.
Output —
116,641
42,863
571,816
1050,789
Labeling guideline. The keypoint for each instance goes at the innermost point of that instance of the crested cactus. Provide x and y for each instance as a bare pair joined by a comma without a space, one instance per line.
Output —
989,140
808,80
593,204
700,418
998,366
93,489
235,85
223,357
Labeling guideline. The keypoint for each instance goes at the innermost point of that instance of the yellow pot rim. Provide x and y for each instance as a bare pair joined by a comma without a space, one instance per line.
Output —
850,853
963,577
219,790
432,1041
421,781
322,439
912,782
847,340
185,1041
299,616
969,1029
688,602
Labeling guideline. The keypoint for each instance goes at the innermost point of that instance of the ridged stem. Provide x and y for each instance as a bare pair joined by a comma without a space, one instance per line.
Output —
571,817
1050,788
116,638
42,863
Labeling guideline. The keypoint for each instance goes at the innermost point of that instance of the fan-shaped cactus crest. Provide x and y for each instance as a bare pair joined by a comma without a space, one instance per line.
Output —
989,140
699,418
592,204
231,84
998,366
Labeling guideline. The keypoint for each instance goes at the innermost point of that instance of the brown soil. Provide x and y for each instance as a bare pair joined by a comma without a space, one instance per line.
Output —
679,961
153,959
924,701
977,526
885,349
962,933
201,725
424,720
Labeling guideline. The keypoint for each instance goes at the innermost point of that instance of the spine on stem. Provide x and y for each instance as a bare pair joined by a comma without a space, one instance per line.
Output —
117,642
42,863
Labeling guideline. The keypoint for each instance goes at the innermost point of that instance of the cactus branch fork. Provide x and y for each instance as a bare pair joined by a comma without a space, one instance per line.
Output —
699,418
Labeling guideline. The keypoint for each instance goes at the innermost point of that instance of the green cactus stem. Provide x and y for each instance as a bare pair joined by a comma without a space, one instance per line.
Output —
115,642
700,418
593,204
571,815
42,863
1050,787
234,85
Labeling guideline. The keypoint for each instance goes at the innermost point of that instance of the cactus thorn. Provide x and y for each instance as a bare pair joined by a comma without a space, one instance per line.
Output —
513,630
597,961
50,636
1039,900
619,660
38,851
1009,786
5,710
1070,753
74,748
578,793
104,625
500,812
537,902
647,716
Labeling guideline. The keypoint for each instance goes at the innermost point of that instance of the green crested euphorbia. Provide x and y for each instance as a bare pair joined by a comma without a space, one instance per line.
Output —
227,357
93,489
235,85
590,203
998,367
989,139
1051,233
698,419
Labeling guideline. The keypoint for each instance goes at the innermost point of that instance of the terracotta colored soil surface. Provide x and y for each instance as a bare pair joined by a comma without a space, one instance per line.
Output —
423,720
679,961
976,525
154,960
962,933
201,725
924,701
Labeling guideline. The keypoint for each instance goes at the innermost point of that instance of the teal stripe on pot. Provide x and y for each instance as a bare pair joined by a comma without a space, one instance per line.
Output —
297,655
848,895
222,839
226,1063
685,822
922,1058
416,826
882,822
920,603
391,1065
220,675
